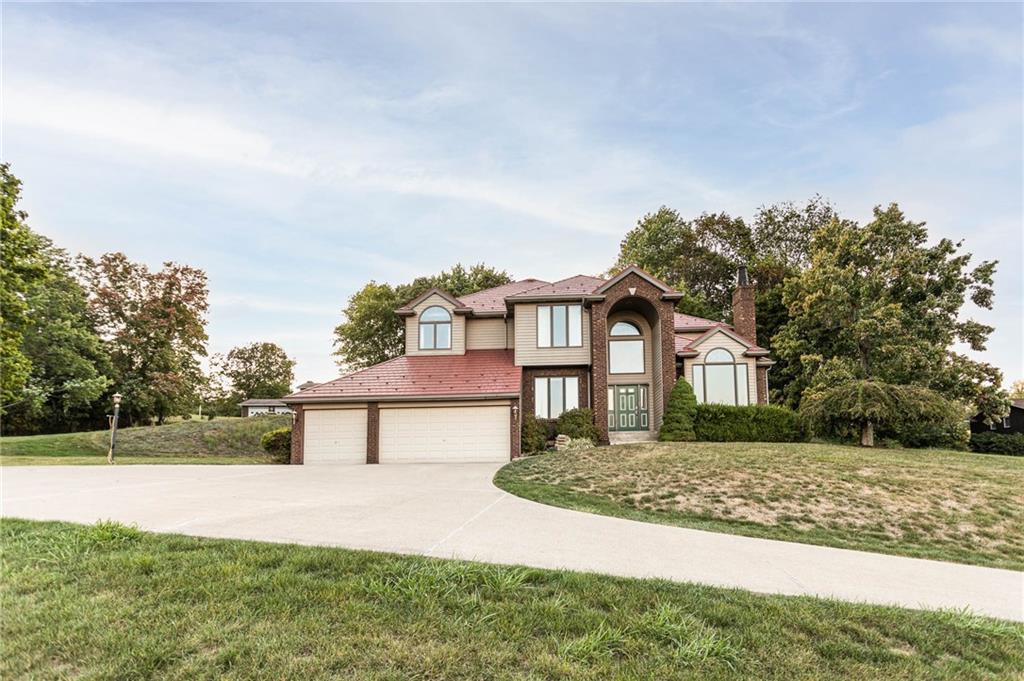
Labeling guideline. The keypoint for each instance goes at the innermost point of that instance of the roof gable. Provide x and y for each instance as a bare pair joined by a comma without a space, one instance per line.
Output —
633,269
750,349
407,309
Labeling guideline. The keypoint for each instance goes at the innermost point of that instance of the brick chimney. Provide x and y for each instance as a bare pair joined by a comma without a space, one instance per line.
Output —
743,316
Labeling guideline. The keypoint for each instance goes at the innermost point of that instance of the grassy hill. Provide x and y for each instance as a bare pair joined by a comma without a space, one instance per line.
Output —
223,440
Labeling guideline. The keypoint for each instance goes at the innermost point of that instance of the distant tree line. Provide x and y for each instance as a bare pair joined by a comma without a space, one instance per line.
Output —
75,330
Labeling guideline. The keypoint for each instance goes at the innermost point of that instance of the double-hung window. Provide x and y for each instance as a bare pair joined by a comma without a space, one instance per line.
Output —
559,326
554,395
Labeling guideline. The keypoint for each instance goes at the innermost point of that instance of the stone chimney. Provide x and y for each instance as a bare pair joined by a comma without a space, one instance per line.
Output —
743,315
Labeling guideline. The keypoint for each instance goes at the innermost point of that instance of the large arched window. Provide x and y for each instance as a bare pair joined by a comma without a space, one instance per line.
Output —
435,329
625,349
720,379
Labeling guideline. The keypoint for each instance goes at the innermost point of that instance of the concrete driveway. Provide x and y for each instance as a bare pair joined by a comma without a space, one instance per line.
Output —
453,511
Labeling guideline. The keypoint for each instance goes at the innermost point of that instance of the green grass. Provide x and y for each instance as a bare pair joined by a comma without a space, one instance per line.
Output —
107,601
943,505
223,440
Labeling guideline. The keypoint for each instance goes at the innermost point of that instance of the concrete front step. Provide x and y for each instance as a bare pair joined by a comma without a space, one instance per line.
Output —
621,438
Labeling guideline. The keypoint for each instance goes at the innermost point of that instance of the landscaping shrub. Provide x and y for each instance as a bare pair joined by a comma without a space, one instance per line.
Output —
578,424
721,423
278,443
579,443
998,443
679,414
534,437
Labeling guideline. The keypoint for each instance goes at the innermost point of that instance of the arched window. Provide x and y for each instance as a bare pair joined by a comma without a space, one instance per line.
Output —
625,329
720,379
435,329
625,349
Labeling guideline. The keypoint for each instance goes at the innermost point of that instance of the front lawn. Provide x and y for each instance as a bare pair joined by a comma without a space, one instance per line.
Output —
222,440
945,505
106,601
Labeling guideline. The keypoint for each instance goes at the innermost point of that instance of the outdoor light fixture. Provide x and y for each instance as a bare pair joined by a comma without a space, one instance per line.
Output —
113,427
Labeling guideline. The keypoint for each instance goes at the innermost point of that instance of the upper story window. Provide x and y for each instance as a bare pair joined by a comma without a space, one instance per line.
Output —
720,379
559,326
625,349
435,329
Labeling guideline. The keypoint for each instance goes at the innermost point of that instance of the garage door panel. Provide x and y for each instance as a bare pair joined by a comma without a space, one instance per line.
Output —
429,434
334,436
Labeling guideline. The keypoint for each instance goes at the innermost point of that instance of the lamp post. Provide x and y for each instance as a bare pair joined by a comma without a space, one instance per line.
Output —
113,427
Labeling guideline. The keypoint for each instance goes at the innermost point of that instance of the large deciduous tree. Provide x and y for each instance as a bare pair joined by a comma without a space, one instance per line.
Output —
70,364
21,266
258,370
700,258
878,304
155,325
373,333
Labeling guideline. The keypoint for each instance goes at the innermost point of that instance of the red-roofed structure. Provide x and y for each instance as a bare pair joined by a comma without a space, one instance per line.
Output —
473,365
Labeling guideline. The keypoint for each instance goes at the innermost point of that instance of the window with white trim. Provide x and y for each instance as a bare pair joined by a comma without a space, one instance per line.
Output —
553,395
559,326
435,329
625,349
721,379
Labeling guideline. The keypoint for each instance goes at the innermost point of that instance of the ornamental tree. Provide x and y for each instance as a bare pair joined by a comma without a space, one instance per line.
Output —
679,414
879,304
257,370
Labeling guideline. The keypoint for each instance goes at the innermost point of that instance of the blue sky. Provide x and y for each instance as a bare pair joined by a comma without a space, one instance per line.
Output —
296,151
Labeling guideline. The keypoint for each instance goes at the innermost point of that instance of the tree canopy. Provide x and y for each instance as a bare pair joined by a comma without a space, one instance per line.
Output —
877,303
257,370
373,333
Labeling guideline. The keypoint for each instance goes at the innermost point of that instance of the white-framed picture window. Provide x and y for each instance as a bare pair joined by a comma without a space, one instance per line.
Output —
721,380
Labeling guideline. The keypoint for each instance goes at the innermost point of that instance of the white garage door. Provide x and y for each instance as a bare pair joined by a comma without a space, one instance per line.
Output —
453,434
334,436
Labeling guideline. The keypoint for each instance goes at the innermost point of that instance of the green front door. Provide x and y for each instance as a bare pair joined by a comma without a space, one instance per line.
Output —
627,407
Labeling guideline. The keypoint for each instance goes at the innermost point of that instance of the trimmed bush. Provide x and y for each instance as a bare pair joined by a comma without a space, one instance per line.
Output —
534,436
721,423
278,443
579,443
578,424
679,414
998,443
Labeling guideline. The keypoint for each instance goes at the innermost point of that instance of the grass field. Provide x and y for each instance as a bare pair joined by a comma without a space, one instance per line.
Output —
223,440
106,601
945,505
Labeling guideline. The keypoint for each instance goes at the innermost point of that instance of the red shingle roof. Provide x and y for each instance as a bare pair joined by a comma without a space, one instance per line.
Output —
686,321
493,299
580,284
478,372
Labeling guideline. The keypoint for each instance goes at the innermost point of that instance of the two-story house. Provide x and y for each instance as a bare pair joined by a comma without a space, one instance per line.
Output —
473,365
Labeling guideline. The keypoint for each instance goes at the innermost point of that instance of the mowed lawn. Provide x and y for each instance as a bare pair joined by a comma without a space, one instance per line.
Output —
107,601
945,505
220,441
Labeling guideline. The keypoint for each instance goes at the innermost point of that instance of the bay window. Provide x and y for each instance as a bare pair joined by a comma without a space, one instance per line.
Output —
553,395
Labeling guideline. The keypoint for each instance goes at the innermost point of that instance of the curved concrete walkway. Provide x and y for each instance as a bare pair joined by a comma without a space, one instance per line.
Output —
453,511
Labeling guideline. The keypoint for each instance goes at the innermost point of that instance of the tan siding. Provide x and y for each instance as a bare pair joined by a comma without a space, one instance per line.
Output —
412,329
721,340
527,352
510,332
485,334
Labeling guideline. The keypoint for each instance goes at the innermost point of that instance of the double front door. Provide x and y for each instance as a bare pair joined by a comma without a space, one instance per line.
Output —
627,407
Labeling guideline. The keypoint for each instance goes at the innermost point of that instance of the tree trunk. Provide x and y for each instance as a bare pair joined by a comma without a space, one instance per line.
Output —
867,435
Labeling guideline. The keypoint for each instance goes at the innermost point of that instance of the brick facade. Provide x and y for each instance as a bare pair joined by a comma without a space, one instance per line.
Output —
372,432
762,385
663,329
530,373
744,319
515,418
297,433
